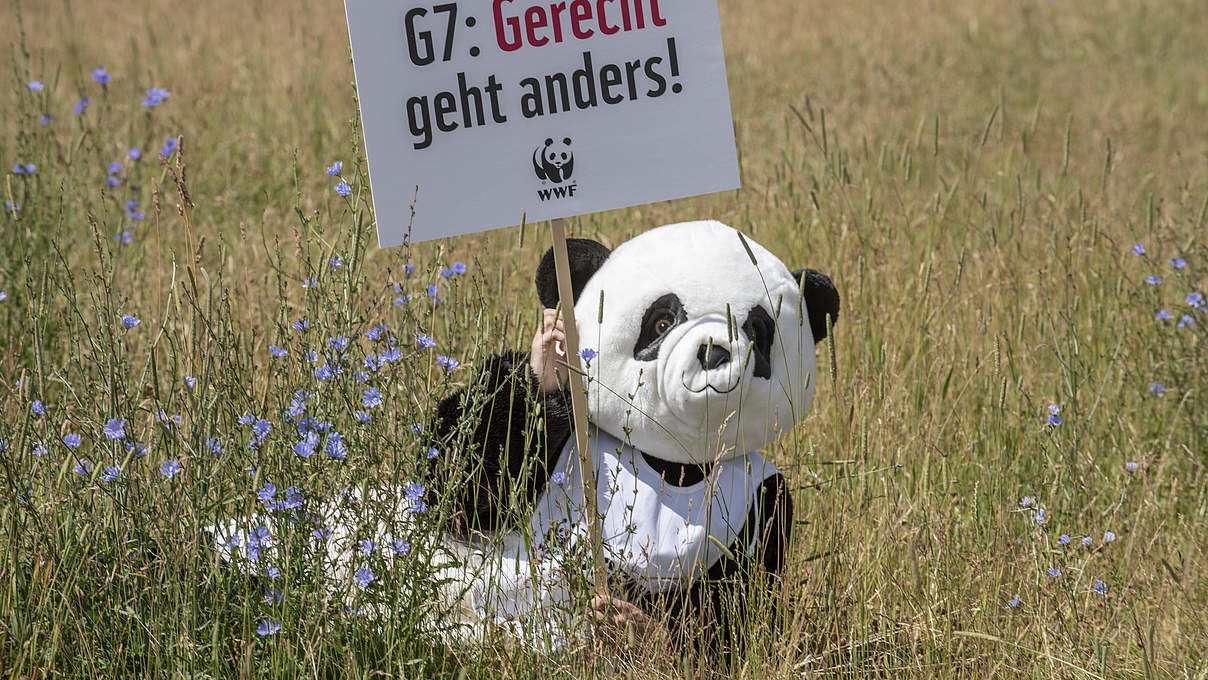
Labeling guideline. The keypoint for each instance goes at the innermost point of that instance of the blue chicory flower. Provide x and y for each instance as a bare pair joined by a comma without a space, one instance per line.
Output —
343,189
336,168
115,428
169,468
372,398
364,576
306,447
335,447
261,428
266,627
101,76
414,491
156,96
72,440
1054,415
84,468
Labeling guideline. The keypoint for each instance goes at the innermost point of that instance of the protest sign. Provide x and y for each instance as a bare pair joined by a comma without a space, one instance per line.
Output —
484,111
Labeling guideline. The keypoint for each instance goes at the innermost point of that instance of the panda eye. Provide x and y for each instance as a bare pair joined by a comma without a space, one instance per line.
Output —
660,317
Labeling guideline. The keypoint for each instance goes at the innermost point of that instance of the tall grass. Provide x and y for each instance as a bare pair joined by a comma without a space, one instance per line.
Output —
974,176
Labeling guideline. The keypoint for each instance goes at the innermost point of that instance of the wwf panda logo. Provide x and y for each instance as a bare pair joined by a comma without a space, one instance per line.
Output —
554,162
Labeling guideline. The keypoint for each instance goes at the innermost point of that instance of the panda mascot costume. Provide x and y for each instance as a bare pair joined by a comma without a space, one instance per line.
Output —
703,348
701,353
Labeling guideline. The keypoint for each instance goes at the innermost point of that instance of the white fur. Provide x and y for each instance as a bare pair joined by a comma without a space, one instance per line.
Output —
705,264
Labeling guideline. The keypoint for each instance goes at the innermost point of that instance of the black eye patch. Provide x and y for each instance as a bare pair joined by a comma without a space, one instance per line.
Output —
661,316
761,329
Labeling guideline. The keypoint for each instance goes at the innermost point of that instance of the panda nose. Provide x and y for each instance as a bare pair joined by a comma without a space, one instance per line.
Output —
712,356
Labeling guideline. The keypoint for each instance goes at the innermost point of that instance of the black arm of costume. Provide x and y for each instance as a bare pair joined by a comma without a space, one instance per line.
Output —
501,436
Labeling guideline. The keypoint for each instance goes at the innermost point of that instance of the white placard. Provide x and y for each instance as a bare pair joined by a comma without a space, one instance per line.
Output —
498,108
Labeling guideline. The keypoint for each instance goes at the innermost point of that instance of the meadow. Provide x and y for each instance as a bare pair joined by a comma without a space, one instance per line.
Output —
1005,473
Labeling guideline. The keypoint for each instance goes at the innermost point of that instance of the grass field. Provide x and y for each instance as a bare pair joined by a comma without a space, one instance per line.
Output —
976,176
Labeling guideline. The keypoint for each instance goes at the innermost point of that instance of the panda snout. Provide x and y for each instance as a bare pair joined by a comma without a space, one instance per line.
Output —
712,356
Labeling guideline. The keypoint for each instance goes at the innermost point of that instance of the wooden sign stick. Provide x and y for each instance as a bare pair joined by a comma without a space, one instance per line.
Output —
578,403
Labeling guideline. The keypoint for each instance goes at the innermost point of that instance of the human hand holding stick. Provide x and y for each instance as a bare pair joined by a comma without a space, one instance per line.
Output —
547,358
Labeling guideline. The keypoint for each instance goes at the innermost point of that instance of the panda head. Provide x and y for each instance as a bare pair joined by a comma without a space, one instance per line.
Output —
557,155
702,354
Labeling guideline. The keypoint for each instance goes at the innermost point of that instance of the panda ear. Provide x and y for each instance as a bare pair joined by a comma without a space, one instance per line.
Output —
821,299
549,142
586,256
